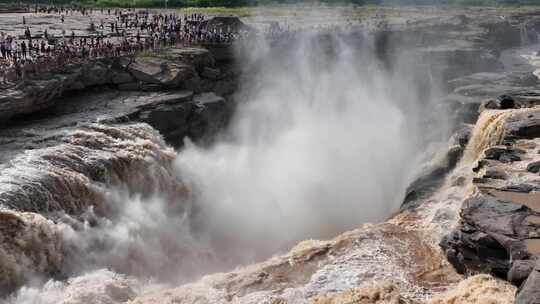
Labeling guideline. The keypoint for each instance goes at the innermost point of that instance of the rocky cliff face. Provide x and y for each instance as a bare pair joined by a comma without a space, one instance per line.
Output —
58,173
499,228
189,69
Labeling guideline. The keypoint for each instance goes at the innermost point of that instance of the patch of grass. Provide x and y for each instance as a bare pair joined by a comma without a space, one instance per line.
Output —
517,8
242,11
153,54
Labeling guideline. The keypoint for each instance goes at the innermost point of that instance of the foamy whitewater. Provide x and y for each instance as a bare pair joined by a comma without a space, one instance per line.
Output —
326,137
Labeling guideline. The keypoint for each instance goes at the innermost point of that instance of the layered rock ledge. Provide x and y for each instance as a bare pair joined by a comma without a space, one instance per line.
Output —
191,69
499,230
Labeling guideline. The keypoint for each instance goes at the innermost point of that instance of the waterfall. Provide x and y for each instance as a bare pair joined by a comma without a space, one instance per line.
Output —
70,175
440,212
489,131
56,201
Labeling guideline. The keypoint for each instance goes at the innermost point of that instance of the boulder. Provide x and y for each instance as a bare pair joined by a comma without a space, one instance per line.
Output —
210,115
197,57
524,124
520,270
495,152
172,121
95,74
534,167
503,102
182,115
503,154
529,292
495,174
490,104
509,158
462,135
506,102
161,72
492,237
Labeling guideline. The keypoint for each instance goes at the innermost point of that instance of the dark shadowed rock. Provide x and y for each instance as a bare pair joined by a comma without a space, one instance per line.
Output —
506,102
494,236
529,292
534,167
161,72
495,152
504,154
490,104
96,74
524,124
197,57
170,120
121,77
183,115
151,87
433,177
494,174
522,188
210,114
177,69
463,134
520,270
509,157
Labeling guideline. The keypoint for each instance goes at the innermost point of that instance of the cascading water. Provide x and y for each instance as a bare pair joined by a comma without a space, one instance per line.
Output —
440,212
326,139
489,131
48,194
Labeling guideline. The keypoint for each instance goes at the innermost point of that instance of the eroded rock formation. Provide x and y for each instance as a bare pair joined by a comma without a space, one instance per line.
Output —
500,222
189,68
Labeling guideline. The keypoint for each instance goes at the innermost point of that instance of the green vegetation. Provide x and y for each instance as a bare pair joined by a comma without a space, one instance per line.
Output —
168,3
155,54
241,11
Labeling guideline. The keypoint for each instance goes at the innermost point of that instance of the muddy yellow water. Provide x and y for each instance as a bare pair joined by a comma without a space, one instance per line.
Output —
531,200
533,245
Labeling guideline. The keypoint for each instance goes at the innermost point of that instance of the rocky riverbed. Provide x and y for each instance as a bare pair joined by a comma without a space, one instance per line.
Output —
95,197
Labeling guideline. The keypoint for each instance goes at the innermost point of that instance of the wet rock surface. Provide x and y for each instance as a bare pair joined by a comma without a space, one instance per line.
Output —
92,140
499,231
313,269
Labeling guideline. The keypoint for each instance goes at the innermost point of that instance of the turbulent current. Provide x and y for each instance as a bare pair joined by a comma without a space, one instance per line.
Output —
326,137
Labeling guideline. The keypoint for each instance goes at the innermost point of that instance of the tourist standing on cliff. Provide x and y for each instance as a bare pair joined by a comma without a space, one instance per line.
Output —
23,49
28,36
3,43
151,31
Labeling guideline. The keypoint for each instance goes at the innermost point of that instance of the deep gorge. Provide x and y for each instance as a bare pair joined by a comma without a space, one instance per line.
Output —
123,178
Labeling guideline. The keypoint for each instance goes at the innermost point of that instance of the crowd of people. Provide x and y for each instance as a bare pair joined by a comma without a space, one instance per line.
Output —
119,33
